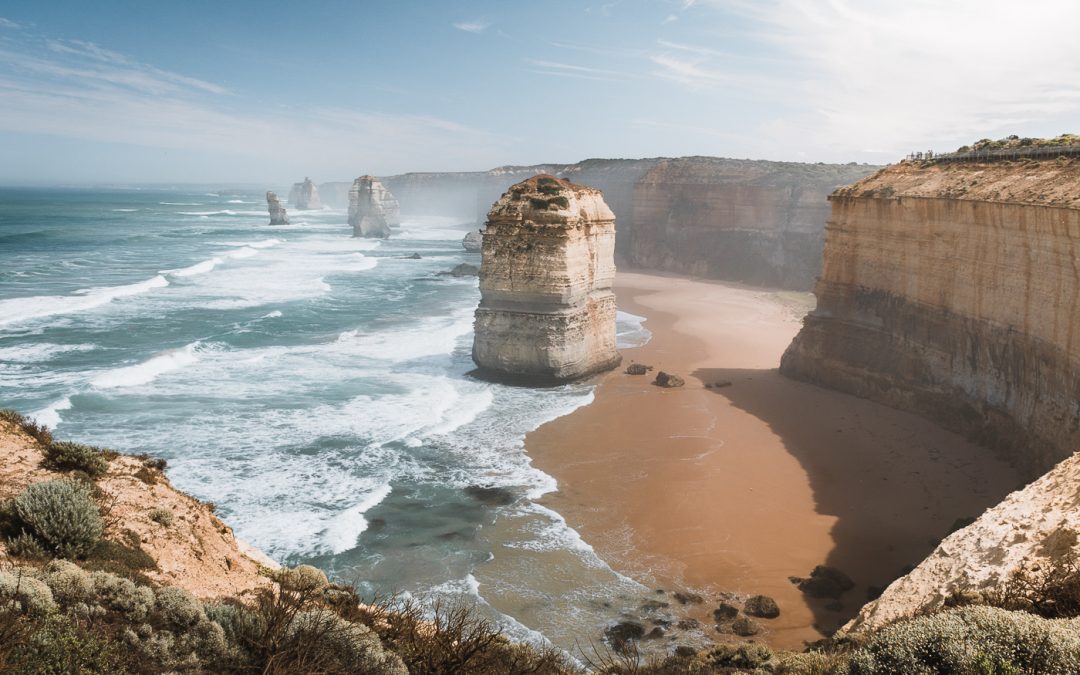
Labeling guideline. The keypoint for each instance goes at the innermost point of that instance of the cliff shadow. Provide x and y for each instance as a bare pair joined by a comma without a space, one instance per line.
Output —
895,483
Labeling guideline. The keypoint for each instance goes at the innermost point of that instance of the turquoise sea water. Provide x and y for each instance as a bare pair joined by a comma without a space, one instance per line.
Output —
313,386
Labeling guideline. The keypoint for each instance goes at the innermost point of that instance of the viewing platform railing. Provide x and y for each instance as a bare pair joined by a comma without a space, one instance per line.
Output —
996,154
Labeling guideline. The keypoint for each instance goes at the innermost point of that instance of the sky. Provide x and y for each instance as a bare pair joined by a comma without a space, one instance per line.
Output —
245,92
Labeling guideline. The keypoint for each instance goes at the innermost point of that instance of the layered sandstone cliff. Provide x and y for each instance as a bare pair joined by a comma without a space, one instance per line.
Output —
953,290
756,222
1034,530
740,220
372,208
305,196
547,312
277,211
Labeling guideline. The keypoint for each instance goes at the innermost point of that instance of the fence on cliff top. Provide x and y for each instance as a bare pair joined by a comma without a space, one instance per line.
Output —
998,154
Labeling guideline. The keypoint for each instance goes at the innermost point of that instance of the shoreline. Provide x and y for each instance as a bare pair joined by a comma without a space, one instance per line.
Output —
735,489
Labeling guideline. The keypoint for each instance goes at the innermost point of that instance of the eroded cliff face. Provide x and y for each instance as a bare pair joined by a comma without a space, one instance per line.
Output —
547,312
277,211
755,222
372,208
953,291
305,196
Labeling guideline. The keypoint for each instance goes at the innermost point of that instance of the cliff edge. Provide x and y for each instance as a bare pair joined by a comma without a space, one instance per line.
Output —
195,550
953,290
547,311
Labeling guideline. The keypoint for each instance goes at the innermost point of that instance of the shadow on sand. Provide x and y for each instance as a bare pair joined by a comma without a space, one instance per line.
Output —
895,488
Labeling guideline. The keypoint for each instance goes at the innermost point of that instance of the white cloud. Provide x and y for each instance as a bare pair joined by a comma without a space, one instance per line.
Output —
902,75
571,70
8,23
477,26
670,18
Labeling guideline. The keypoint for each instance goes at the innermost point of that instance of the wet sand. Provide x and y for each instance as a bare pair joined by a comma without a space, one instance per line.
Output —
734,489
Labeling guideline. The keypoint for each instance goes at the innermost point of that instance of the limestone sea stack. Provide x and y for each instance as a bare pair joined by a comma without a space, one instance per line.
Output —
547,312
277,211
372,209
305,196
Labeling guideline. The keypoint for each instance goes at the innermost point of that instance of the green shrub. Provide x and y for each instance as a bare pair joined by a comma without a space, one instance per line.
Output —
61,515
123,596
70,584
25,593
57,644
176,608
25,546
39,432
302,578
71,456
319,640
971,641
163,517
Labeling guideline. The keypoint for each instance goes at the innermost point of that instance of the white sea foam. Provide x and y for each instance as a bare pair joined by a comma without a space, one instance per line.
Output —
630,330
198,268
40,351
272,315
239,201
180,203
124,210
147,371
50,415
23,309
222,212
345,528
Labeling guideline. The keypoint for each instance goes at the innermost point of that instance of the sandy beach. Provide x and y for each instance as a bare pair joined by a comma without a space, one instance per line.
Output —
737,488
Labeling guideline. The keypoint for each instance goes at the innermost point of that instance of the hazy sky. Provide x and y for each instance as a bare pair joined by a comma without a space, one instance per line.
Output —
111,91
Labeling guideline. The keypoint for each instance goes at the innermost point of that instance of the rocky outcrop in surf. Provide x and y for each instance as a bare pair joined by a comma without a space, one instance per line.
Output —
277,211
305,196
952,290
547,312
372,208
472,242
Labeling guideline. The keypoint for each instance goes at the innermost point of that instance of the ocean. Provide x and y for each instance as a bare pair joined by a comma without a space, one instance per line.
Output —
313,386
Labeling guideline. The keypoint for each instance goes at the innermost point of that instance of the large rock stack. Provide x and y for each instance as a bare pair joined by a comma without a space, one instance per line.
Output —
305,196
547,312
372,209
277,211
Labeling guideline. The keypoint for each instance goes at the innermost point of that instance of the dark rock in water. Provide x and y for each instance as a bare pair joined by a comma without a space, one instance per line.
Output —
668,380
688,624
745,627
656,633
376,525
722,383
708,386
688,598
414,256
463,270
725,612
761,606
492,496
685,652
653,605
637,369
473,242
623,633
824,582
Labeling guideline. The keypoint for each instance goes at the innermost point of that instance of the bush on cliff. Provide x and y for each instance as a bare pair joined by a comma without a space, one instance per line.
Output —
61,515
71,456
972,640
39,432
